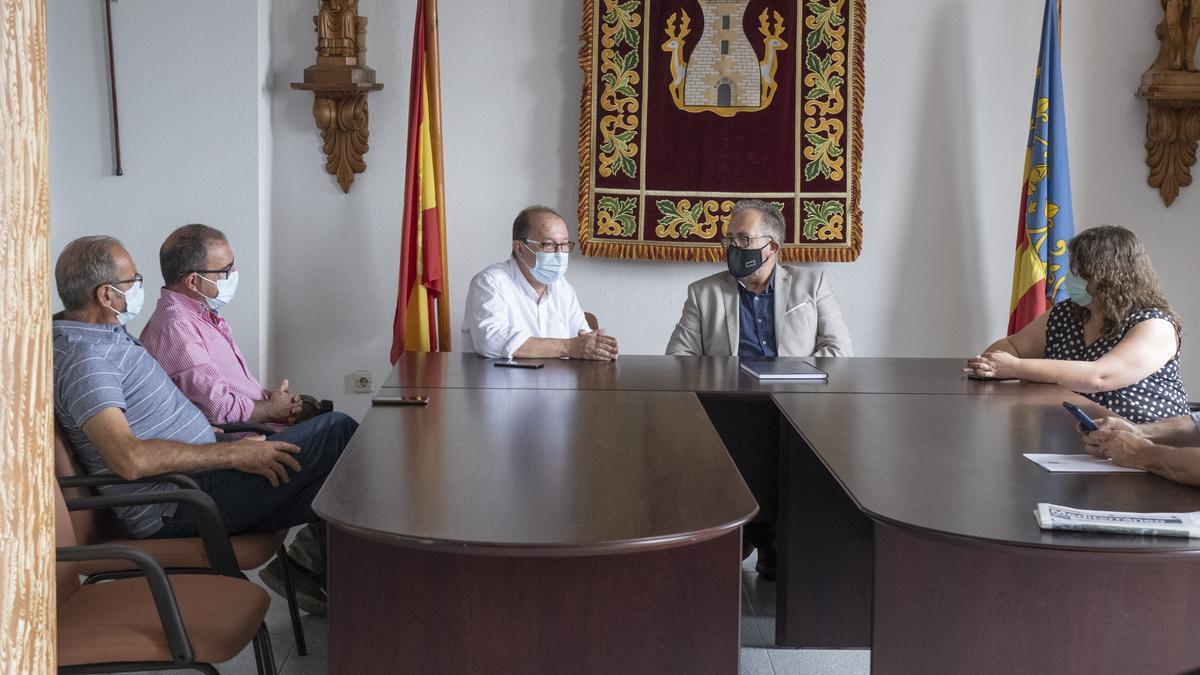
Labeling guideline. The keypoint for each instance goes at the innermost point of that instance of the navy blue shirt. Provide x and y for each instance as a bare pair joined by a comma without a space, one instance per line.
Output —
756,316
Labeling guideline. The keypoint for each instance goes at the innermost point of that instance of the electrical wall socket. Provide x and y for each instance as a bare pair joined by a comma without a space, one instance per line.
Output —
362,381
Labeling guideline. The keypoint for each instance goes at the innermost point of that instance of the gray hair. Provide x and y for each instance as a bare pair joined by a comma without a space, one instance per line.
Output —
185,251
524,220
772,218
83,266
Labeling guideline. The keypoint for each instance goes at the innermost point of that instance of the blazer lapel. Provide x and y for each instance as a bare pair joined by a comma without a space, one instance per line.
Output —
732,313
783,287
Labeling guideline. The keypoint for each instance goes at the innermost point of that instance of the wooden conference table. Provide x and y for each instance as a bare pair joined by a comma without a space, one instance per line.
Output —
584,516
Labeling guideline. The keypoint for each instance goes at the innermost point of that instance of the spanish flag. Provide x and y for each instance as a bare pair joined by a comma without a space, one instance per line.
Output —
422,320
1046,221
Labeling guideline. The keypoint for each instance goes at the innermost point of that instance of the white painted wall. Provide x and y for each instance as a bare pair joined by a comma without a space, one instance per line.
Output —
266,168
949,86
186,88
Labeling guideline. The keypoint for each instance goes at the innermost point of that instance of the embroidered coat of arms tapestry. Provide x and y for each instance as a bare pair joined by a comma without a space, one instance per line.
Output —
691,105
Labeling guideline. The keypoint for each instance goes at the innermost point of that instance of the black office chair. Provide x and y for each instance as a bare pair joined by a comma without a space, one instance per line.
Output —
149,620
177,555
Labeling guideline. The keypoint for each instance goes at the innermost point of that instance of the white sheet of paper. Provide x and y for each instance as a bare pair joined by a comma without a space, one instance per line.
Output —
1077,464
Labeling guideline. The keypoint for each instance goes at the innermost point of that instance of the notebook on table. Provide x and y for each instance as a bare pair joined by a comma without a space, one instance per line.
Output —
783,369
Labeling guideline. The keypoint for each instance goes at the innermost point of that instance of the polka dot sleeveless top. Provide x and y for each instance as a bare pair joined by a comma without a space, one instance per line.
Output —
1159,396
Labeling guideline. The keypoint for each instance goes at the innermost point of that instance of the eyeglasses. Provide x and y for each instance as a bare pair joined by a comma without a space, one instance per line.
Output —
136,280
225,271
742,240
549,246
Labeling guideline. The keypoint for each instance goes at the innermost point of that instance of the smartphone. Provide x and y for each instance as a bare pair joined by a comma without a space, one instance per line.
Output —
400,400
1081,416
517,364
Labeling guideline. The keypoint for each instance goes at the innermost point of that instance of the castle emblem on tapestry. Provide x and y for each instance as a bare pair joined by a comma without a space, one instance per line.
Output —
724,75
691,105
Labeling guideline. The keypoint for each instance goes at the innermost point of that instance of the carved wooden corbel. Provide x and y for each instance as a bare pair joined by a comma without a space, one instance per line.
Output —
340,81
1171,87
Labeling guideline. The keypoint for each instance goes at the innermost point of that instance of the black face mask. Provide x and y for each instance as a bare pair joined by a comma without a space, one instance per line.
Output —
744,261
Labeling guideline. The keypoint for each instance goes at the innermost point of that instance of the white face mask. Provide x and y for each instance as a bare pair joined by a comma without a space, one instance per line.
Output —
548,267
225,290
1077,290
134,298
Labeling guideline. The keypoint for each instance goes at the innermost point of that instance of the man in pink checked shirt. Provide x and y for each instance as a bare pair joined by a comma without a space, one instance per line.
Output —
193,343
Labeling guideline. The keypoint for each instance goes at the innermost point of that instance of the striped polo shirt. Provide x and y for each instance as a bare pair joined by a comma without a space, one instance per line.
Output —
99,366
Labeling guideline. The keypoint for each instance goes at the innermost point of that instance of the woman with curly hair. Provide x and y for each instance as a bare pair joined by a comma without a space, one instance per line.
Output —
1115,341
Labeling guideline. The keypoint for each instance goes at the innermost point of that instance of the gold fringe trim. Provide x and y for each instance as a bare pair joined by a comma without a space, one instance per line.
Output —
860,89
700,253
586,55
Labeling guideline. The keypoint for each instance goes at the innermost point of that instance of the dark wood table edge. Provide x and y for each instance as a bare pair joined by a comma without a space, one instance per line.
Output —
1030,549
1138,549
995,387
519,550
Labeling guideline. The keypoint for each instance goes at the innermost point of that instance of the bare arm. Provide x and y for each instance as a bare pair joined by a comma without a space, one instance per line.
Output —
1178,431
593,346
1027,343
1146,348
542,348
1181,465
280,405
132,458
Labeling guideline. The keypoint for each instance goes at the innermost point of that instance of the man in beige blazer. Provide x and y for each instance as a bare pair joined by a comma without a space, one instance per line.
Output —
758,309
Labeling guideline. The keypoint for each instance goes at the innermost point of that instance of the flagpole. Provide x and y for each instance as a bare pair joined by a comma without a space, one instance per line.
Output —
433,80
1060,25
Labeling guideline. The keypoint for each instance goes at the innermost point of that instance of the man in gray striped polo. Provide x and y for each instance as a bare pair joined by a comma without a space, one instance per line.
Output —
124,416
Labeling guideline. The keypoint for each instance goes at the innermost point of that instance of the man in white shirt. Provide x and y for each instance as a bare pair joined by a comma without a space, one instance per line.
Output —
524,307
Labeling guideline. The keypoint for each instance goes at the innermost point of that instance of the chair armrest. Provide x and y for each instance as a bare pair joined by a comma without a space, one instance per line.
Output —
160,589
245,427
208,519
182,480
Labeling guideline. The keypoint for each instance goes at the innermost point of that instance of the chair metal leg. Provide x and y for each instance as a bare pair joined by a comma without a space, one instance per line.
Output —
206,668
264,655
258,656
293,608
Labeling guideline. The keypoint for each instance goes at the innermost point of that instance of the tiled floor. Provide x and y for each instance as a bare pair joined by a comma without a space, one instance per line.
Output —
758,630
761,657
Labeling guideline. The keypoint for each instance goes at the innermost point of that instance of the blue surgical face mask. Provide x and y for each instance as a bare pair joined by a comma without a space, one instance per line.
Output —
225,291
134,298
1077,290
549,267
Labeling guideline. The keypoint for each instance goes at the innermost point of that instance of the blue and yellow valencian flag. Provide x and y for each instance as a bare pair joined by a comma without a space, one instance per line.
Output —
1047,221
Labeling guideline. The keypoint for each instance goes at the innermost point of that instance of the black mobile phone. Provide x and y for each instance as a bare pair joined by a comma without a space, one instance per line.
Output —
517,364
400,400
1083,418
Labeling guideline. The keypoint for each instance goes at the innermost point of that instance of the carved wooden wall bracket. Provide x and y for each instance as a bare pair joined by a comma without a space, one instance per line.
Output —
1171,87
340,81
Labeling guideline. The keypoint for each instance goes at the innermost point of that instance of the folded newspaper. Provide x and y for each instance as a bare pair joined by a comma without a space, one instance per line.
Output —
1053,517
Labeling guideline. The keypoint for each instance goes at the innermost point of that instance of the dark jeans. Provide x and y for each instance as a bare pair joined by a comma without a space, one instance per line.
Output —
248,502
